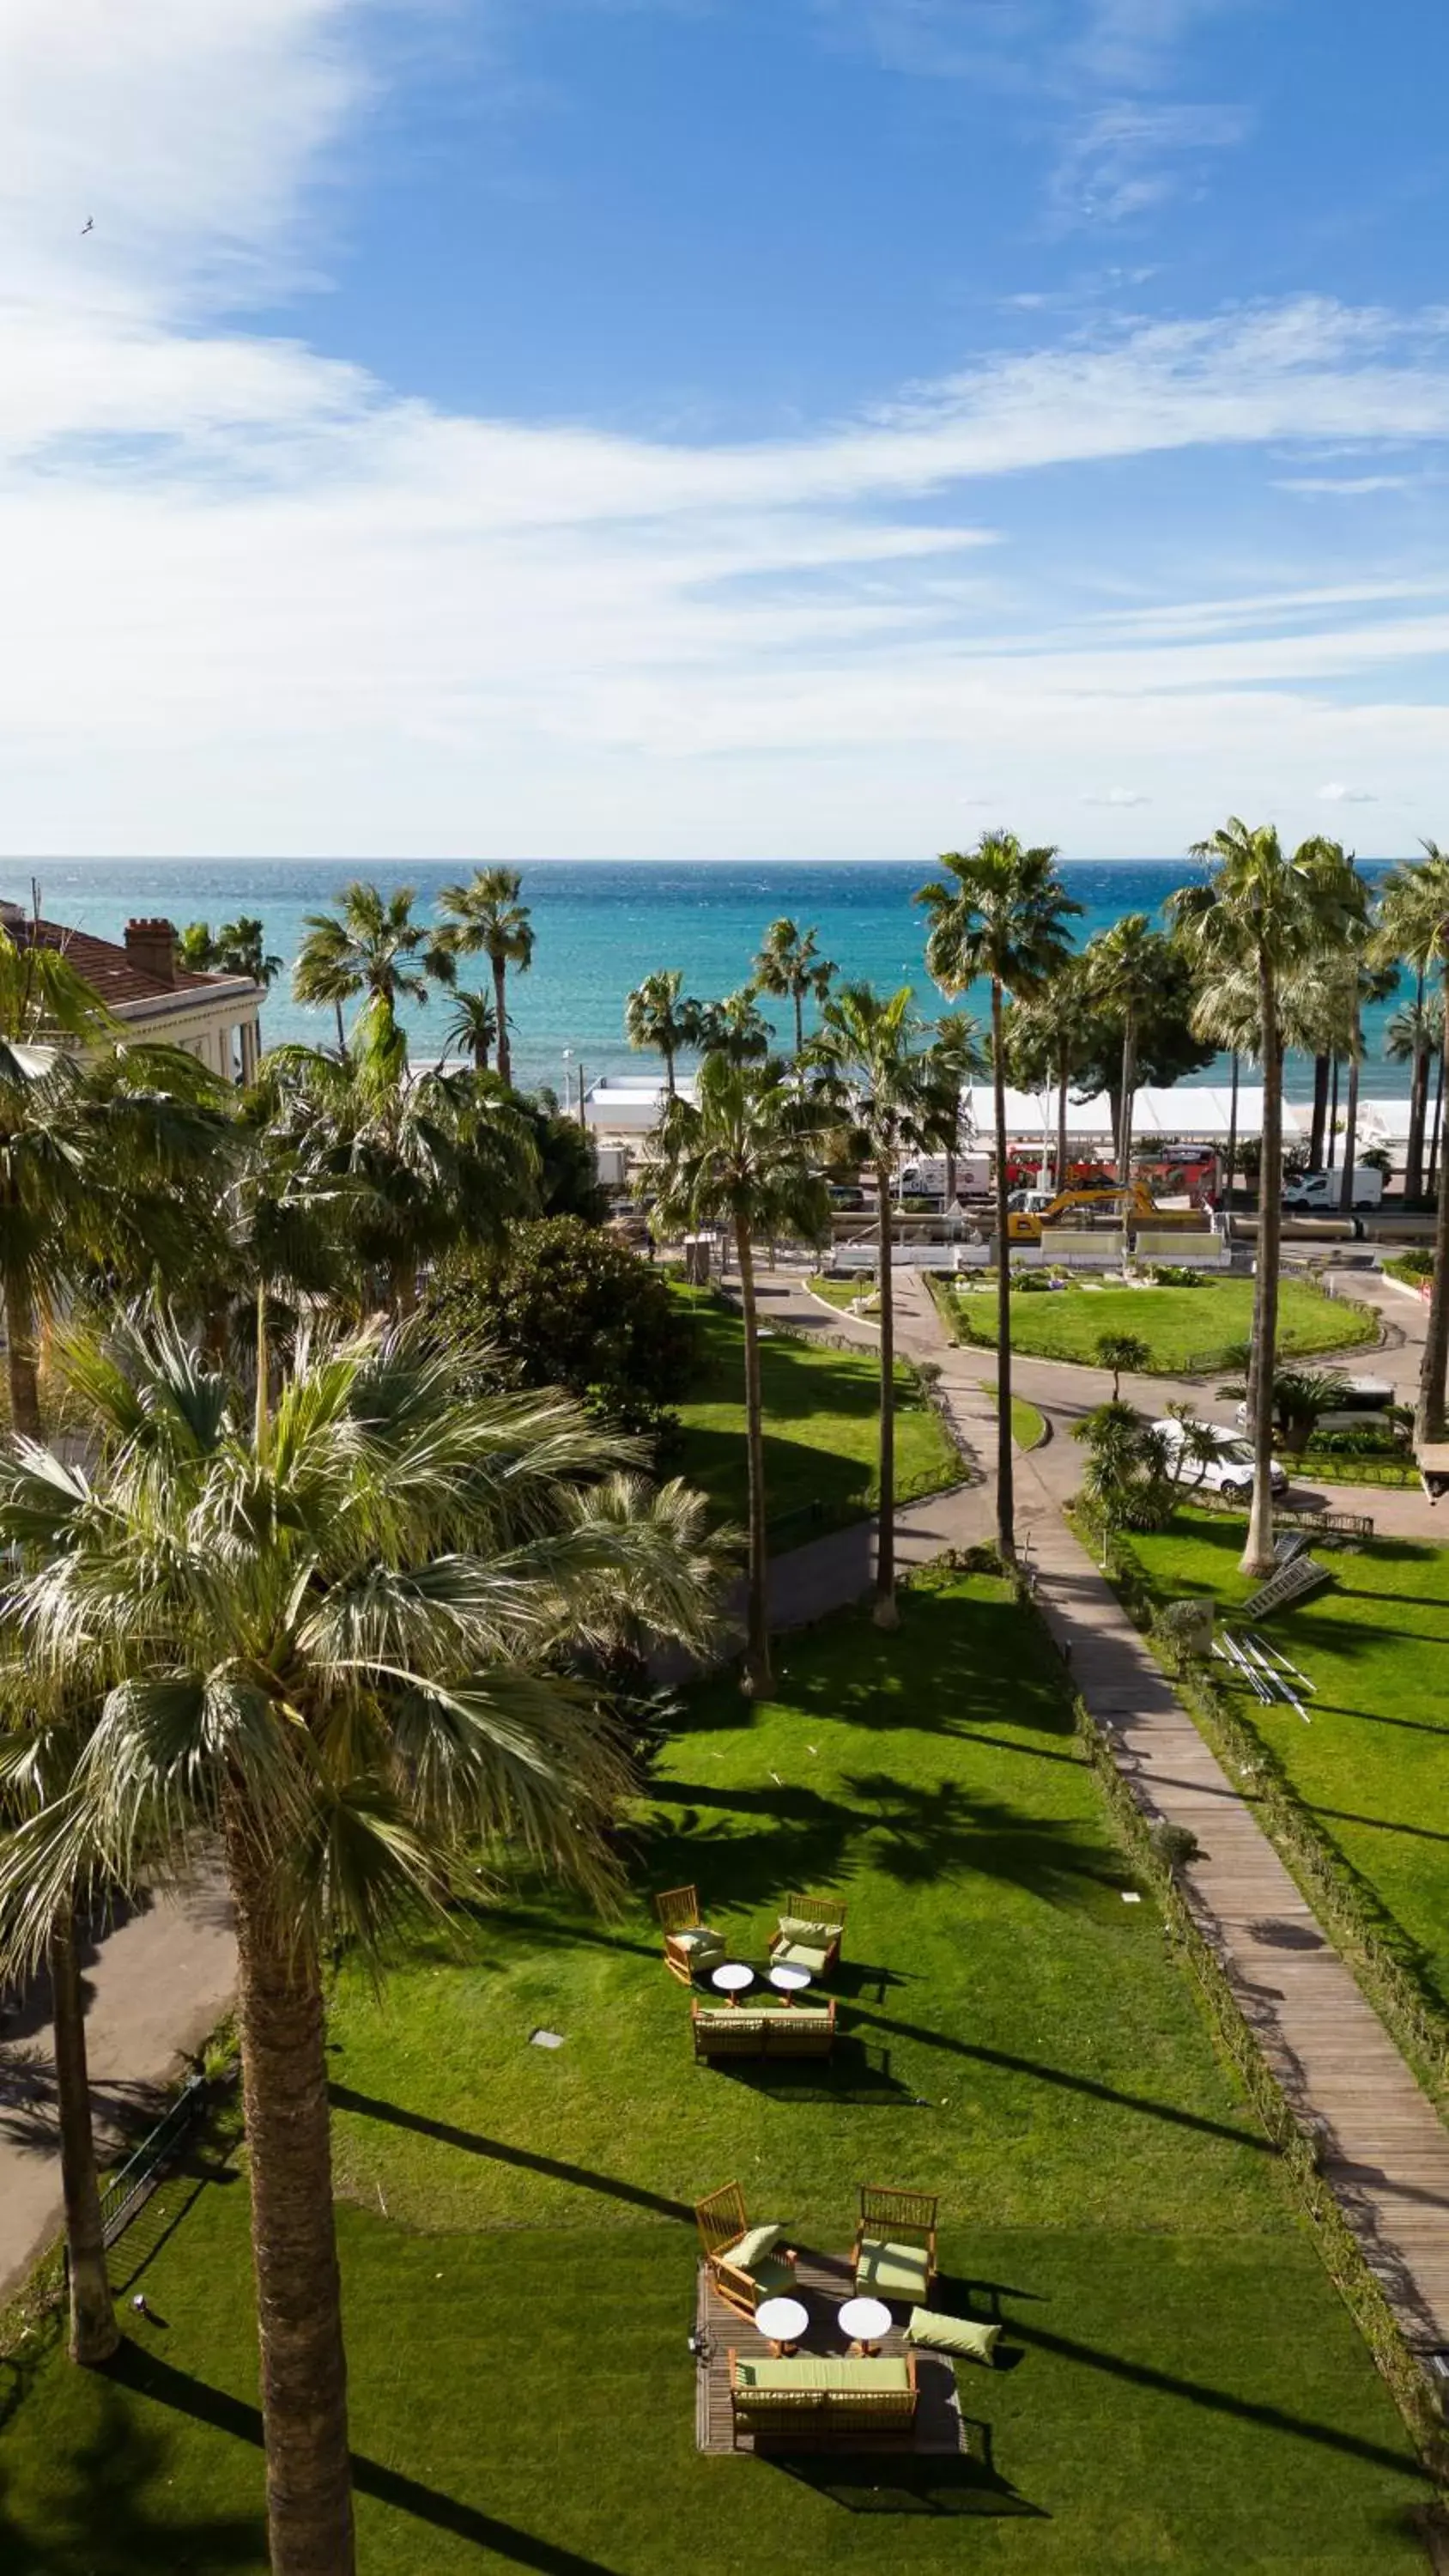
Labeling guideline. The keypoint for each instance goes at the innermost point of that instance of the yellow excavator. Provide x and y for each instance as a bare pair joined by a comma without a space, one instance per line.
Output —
1030,1213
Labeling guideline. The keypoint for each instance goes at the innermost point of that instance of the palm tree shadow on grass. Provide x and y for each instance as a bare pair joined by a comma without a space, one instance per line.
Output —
97,2519
147,2375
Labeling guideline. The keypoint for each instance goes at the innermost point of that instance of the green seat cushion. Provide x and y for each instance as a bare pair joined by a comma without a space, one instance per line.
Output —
799,1954
754,2245
821,2373
885,2270
771,2277
963,2335
698,1942
797,1927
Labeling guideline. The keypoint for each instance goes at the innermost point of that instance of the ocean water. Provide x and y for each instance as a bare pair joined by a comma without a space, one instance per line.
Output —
600,927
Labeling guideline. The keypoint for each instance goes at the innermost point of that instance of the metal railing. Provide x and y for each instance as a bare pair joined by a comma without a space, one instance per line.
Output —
124,2191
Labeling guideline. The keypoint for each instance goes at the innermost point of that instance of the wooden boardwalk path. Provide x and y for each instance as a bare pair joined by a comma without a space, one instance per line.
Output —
1385,2150
822,2282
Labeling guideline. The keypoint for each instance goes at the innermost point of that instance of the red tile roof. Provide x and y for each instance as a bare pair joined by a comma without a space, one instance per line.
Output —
107,967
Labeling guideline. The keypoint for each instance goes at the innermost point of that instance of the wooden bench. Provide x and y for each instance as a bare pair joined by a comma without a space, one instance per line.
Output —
794,2030
819,2401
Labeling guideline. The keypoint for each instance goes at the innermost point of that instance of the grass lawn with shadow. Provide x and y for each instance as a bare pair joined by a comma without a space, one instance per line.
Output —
1373,1763
1185,1329
1183,2390
822,1413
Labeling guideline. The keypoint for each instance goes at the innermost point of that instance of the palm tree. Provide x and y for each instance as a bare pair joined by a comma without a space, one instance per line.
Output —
1365,983
46,1720
744,1154
370,945
1411,1038
1413,925
1119,1351
419,1165
894,1090
1122,969
351,1637
735,1028
241,949
659,1015
486,919
98,1152
1048,1034
790,967
999,911
196,949
958,1042
1264,915
473,1026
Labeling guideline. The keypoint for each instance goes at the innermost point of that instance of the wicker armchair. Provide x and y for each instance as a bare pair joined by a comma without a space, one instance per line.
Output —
810,1932
894,2255
742,2271
689,1944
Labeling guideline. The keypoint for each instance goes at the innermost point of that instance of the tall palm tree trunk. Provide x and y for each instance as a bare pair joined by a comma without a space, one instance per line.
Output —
1431,1176
1005,1499
1059,1176
505,1059
94,2334
1418,1106
1350,1127
798,996
1129,1078
22,1357
1232,1132
1257,1557
294,2243
885,1613
668,1055
1332,1151
1320,1113
757,1677
1429,1418
341,1031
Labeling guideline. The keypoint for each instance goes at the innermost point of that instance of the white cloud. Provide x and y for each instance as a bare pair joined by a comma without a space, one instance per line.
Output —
257,600
1344,486
1120,796
1335,793
1130,157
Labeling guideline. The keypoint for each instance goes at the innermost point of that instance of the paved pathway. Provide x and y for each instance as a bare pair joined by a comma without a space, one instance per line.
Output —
154,1988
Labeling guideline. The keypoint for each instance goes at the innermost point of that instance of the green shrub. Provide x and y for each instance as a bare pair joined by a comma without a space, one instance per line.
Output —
567,1304
1174,1274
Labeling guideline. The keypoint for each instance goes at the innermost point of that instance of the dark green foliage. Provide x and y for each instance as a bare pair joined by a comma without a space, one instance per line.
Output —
1166,1048
568,1183
569,1305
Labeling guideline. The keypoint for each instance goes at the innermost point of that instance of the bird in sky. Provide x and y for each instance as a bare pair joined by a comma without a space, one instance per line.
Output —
88,226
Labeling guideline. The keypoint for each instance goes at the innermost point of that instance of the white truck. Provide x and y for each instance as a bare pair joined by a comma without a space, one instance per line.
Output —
1321,1193
926,1179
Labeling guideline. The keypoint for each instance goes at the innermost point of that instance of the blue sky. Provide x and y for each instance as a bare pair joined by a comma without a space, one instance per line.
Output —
721,427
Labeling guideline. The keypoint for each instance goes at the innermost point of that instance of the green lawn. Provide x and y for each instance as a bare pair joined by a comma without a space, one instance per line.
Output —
1374,1763
842,1292
1186,1329
1028,1422
1183,2389
822,1411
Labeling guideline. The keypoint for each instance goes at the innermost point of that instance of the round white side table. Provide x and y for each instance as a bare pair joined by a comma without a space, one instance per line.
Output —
865,2321
782,2322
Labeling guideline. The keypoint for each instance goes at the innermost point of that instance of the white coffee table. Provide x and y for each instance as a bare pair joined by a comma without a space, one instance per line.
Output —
733,1979
790,1981
865,2321
782,2322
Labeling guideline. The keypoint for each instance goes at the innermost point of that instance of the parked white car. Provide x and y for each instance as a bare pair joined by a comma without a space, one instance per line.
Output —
1228,1471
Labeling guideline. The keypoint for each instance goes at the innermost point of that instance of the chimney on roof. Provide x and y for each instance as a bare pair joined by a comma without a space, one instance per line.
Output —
151,946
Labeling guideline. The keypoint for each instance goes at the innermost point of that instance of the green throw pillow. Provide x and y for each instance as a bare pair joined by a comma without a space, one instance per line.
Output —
753,2246
959,2335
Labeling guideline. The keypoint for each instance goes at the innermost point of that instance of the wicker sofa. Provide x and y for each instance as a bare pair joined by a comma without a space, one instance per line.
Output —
794,2030
816,2401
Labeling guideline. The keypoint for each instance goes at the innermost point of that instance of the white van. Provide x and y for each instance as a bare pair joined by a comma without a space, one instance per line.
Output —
1322,1192
1357,1404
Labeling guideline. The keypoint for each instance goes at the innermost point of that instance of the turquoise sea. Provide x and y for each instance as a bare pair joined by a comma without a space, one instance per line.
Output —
600,927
